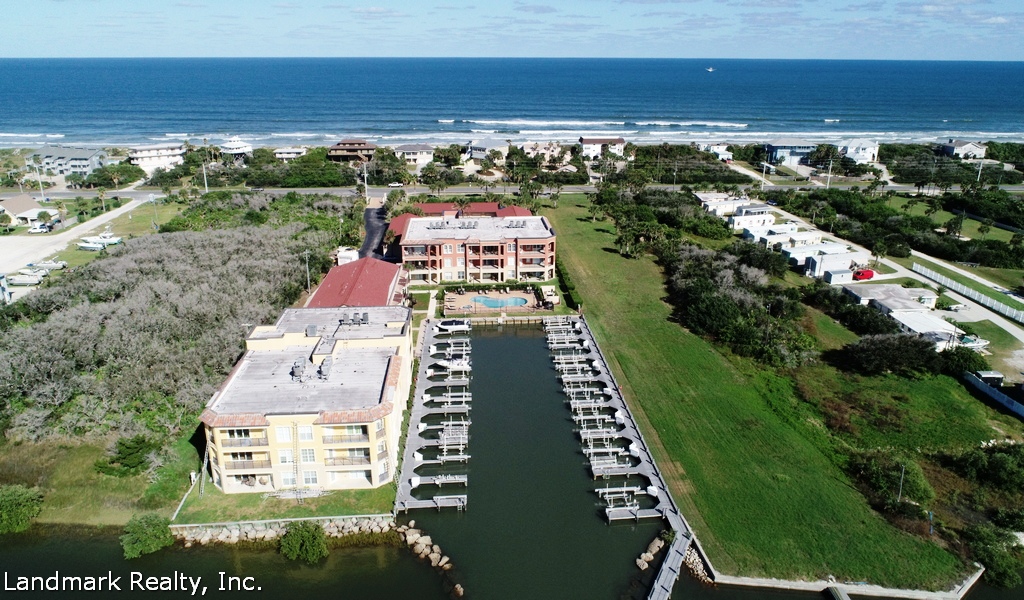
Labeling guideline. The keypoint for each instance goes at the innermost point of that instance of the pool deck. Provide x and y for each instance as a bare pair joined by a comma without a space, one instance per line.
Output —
463,304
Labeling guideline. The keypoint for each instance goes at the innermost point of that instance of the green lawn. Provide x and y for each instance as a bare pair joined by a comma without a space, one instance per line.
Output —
762,496
1002,346
970,228
217,507
1010,279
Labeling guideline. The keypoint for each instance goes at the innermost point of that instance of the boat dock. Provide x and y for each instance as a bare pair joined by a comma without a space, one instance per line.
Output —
432,443
592,393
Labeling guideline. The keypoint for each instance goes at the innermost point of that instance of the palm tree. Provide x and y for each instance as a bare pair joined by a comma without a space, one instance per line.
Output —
101,193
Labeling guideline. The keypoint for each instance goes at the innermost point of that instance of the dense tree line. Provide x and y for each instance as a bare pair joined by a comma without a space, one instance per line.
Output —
871,222
924,164
261,169
860,319
723,296
677,164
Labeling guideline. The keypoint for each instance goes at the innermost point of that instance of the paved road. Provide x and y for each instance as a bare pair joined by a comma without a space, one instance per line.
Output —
373,222
16,251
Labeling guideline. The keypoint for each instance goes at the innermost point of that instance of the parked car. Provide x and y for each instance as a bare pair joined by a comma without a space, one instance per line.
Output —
396,184
256,188
40,228
863,274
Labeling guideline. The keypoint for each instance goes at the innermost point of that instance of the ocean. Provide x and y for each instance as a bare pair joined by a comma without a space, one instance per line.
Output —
318,101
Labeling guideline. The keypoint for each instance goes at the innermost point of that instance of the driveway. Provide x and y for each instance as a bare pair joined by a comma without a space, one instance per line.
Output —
373,222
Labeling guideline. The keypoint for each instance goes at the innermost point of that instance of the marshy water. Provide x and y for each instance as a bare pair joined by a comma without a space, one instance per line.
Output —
533,529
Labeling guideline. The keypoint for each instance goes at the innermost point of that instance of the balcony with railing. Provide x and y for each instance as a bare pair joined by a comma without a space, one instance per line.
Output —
347,439
238,465
347,461
244,442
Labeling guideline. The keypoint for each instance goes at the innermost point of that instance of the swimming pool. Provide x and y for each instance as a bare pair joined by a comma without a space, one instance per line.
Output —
498,302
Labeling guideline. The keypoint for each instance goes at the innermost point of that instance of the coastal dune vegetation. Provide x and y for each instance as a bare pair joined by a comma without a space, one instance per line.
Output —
124,352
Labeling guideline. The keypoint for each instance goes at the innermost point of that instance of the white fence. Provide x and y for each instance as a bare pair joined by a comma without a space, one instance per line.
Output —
1010,404
1007,311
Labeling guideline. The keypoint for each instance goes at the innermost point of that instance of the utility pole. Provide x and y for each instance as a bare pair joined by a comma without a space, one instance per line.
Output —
764,171
981,163
828,182
152,200
306,254
206,156
39,177
903,471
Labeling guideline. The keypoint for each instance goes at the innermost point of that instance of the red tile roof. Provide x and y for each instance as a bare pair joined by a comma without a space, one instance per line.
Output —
400,223
364,282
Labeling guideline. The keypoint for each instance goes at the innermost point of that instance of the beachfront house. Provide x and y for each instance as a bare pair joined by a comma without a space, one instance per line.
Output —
157,156
860,150
911,309
789,152
598,147
315,403
287,155
719,150
236,148
415,155
65,160
476,249
351,151
480,149
962,149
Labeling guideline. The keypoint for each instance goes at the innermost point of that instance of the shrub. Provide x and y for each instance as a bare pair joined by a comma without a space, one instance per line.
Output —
305,540
993,548
18,506
881,472
145,534
130,457
900,354
958,360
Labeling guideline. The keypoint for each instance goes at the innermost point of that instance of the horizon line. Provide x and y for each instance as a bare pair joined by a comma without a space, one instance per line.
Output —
622,58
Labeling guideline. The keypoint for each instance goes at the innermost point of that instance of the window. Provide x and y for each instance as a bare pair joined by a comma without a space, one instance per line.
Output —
237,433
383,467
447,263
357,452
461,248
462,275
448,276
511,274
241,456
286,457
512,247
305,433
288,478
308,455
381,446
284,434
461,261
446,249
309,477
380,424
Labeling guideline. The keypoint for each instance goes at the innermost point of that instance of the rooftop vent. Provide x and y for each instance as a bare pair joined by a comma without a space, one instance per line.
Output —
325,368
310,330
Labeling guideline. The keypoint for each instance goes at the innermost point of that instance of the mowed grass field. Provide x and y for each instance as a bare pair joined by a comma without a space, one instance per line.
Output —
762,497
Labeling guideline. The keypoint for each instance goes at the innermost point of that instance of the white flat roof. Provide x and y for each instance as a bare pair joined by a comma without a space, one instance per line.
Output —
926,323
484,229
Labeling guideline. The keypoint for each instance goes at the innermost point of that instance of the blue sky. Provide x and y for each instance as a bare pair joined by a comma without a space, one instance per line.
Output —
901,29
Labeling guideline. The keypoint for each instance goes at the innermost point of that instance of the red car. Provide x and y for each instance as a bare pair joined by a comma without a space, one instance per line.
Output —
863,275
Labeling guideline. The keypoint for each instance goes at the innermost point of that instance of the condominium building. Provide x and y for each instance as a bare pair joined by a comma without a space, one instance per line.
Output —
157,156
315,402
477,250
65,160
